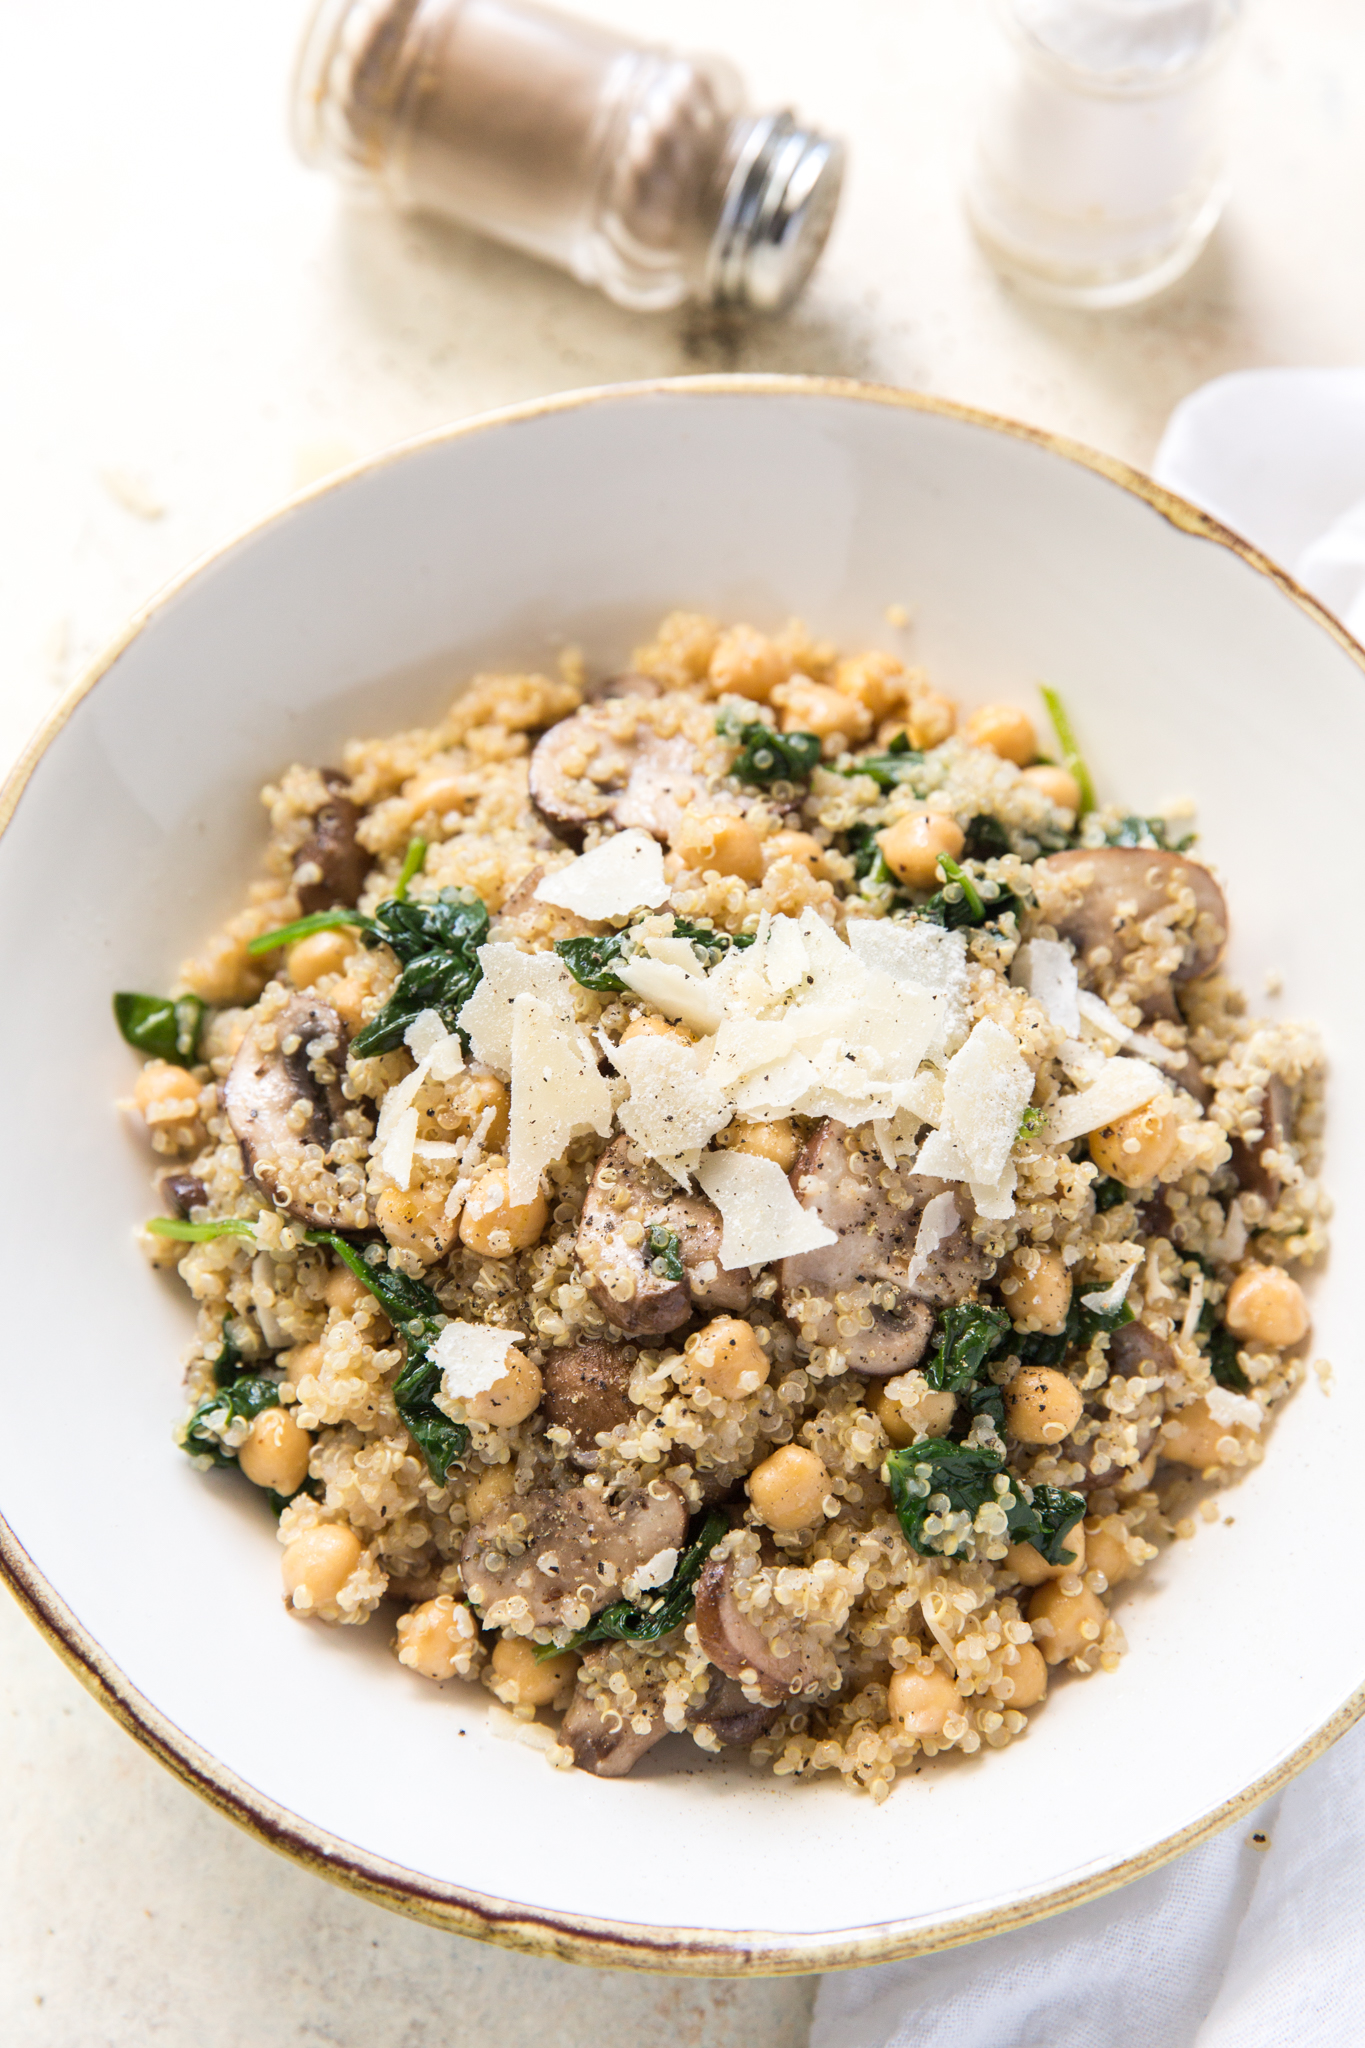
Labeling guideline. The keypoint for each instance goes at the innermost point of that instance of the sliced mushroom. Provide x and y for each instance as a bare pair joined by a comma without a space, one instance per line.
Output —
628,684
587,1392
876,1242
1135,1349
293,1058
738,1647
1121,887
628,1199
182,1192
534,1561
603,1740
1254,1177
580,771
331,865
732,1719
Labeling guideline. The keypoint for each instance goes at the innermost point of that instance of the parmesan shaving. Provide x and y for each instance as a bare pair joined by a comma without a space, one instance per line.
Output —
985,1093
672,1109
1102,1017
1046,969
1104,1303
396,1157
1229,1409
1121,1086
1194,1310
472,1358
557,1093
624,873
508,973
760,1216
937,1224
657,1572
681,996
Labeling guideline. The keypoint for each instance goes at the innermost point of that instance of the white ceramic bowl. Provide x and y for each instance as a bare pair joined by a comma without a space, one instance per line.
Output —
133,823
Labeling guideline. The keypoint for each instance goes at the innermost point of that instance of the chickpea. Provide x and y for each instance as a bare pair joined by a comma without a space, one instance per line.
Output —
436,1639
802,847
927,1411
877,680
1029,1565
1265,1304
930,719
727,1359
1041,1405
496,1483
747,664
317,1564
1057,786
414,1220
1027,1678
776,1141
224,972
650,1026
494,1225
788,1489
275,1453
522,1682
471,1094
912,847
1075,1621
814,707
302,1363
1135,1148
322,953
353,1299
721,842
1005,730
1106,1548
922,1702
166,1094
348,998
1192,1437
1037,1290
513,1397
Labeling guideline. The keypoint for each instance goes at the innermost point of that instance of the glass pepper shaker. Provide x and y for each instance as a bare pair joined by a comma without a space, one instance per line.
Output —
1099,172
640,171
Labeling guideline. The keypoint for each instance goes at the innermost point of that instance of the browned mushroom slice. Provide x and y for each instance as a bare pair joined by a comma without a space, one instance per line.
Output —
536,1560
1254,1177
580,771
182,1192
294,1059
1120,888
331,865
738,1647
1135,1348
603,1739
872,1253
734,1721
627,1200
587,1392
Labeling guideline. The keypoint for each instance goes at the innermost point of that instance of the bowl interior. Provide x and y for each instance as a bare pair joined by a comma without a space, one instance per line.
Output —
359,610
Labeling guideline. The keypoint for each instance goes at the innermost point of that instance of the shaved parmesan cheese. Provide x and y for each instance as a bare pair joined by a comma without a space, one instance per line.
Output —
680,996
1102,1017
472,1358
996,1202
1122,1086
760,1216
508,973
785,961
747,1045
1046,969
624,873
557,1093
1229,1409
427,1038
1193,1310
938,1223
672,1109
657,1572
396,1157
1112,1297
985,1093
438,1054
680,953
923,956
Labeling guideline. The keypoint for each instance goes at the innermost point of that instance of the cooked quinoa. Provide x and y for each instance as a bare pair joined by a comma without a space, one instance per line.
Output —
748,1210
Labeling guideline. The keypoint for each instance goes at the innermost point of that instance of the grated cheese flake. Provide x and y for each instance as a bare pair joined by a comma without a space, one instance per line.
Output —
1121,1086
472,1358
1106,1300
1046,969
679,995
1229,1409
760,1216
937,1224
557,1093
624,873
985,1093
672,1109
657,1572
508,973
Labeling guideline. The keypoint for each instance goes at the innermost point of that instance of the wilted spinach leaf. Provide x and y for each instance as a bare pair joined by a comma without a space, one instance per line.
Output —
869,862
665,1252
240,1395
1135,831
766,756
1109,1193
965,1336
1082,1325
891,769
438,945
986,839
1223,1348
657,1614
165,1028
589,960
976,902
966,1476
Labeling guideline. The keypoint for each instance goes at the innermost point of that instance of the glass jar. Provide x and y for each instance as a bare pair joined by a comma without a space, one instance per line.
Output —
1099,170
639,171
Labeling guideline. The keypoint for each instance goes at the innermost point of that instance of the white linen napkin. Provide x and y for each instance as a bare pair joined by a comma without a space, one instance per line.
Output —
1241,1943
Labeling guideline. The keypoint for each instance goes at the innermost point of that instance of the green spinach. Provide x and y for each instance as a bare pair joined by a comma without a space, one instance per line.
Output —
657,1614
869,862
1109,1193
304,928
766,756
1071,754
240,1395
924,1476
1082,1327
437,944
965,1336
1135,831
165,1027
418,1317
891,769
971,906
986,839
665,1253
1222,1350
589,960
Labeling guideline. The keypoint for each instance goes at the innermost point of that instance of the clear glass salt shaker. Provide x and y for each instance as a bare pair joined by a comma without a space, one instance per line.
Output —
640,171
1099,170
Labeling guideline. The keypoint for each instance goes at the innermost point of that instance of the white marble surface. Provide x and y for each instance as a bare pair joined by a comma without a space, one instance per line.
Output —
193,326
